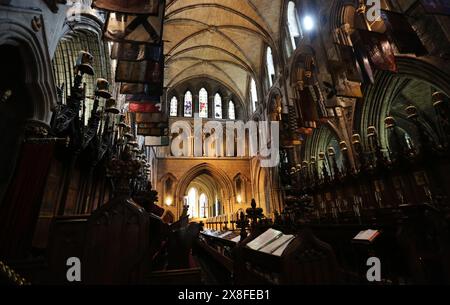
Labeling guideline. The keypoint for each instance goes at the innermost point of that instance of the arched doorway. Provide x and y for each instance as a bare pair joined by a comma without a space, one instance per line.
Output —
204,197
214,183
264,192
15,108
24,157
414,85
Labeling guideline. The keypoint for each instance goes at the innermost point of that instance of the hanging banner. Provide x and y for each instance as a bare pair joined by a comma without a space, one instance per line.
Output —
151,117
129,88
142,72
152,129
128,51
149,7
141,98
144,107
438,7
373,51
121,27
402,34
157,141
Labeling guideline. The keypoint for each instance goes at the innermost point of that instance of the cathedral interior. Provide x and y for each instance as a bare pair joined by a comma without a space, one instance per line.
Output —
224,142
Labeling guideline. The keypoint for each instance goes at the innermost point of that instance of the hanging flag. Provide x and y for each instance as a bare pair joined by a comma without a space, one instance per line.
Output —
438,7
144,107
136,51
121,27
142,72
157,141
402,34
154,89
149,7
149,117
373,52
153,129
141,98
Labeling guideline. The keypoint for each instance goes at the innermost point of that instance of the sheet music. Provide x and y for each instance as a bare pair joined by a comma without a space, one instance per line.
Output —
264,239
281,249
273,246
225,234
236,239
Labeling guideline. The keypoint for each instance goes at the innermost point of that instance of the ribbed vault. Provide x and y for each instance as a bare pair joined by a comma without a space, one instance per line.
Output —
223,39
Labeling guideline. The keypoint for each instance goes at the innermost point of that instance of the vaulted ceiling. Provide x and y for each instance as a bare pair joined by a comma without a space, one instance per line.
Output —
221,39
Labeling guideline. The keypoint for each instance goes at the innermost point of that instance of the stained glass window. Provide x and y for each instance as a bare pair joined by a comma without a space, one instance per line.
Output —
174,107
192,202
254,94
218,106
231,111
188,104
203,202
293,25
203,103
270,66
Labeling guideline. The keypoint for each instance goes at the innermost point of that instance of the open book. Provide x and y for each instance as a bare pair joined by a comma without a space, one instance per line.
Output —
264,239
236,239
272,242
278,246
367,236
225,234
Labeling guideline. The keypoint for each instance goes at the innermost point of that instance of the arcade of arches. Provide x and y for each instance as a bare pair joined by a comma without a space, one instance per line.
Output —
355,111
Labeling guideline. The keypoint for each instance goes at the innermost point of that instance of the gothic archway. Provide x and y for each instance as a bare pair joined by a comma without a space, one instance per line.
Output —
225,184
381,96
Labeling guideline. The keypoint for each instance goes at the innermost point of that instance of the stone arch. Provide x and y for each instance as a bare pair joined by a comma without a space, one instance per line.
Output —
222,178
38,72
319,141
298,57
379,96
274,92
264,190
243,191
168,194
